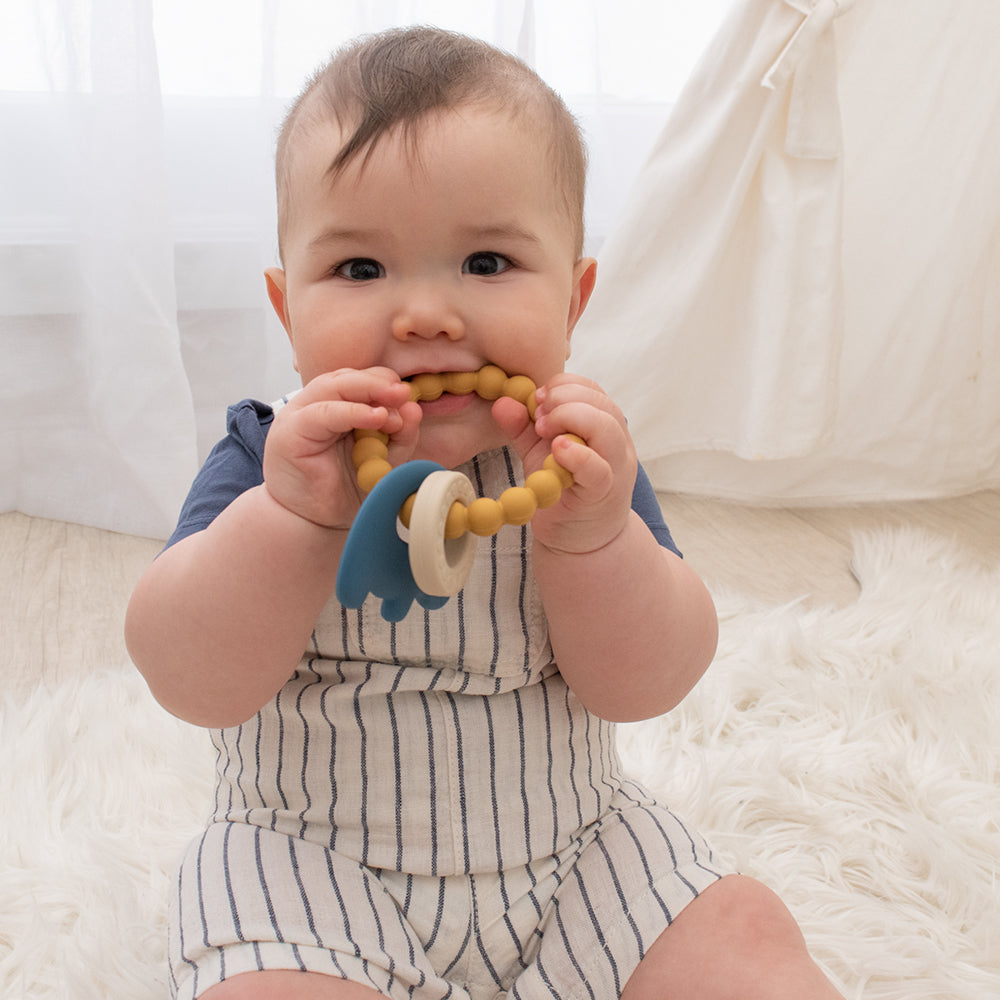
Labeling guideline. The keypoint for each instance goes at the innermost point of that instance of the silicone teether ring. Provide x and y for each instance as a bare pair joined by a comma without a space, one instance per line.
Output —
443,515
440,565
483,516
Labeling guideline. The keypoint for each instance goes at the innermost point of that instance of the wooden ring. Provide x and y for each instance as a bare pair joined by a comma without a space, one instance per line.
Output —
440,565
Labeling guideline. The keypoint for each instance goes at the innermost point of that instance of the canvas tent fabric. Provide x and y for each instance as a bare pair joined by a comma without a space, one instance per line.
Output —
800,301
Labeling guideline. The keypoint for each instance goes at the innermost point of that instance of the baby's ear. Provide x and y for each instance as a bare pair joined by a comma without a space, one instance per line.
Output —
276,285
584,278
275,279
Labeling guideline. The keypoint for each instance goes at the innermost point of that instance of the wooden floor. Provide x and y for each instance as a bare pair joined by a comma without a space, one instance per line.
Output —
778,555
64,587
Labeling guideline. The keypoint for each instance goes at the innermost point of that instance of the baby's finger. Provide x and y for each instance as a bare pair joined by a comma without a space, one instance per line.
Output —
377,386
319,424
512,418
592,474
559,393
404,437
572,379
603,429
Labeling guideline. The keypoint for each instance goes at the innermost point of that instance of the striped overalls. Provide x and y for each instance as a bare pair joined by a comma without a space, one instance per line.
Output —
427,809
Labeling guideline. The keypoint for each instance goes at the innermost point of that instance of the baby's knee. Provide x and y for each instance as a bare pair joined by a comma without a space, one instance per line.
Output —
752,918
758,951
287,983
737,939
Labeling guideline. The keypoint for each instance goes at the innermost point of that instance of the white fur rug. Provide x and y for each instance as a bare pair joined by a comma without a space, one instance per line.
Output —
849,758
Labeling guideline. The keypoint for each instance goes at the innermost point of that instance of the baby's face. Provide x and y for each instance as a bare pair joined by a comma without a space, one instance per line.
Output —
446,259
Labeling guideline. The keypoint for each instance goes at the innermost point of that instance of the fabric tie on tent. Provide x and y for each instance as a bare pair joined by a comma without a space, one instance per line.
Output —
814,126
740,241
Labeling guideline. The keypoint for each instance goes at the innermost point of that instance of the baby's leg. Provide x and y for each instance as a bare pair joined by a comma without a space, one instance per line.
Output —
736,940
261,914
279,985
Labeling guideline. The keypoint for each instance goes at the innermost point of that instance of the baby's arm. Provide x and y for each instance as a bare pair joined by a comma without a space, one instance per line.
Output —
632,626
220,620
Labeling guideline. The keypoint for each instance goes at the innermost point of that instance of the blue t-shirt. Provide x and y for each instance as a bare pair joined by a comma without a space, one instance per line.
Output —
236,463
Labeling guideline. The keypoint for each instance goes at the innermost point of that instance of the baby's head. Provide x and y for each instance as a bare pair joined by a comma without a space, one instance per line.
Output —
430,193
398,79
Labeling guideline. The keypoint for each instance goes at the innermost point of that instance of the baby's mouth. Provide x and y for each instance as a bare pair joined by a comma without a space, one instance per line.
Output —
447,404
428,387
489,382
452,391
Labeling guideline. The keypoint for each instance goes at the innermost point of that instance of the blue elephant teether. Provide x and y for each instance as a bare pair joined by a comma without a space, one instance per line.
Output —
375,559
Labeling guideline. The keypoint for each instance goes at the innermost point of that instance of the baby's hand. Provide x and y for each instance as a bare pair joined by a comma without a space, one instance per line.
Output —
307,457
595,509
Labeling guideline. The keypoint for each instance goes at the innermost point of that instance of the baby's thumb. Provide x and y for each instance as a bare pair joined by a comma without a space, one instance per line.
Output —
512,418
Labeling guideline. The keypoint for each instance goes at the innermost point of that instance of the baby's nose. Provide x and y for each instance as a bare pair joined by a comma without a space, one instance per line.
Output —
427,313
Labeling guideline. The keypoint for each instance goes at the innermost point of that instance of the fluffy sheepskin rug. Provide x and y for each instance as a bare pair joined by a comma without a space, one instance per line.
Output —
848,758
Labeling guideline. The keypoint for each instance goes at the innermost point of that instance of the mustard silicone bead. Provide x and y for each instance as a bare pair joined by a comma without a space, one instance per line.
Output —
519,387
360,433
490,383
485,517
532,404
565,478
366,448
546,486
406,511
457,522
518,505
426,387
460,383
370,472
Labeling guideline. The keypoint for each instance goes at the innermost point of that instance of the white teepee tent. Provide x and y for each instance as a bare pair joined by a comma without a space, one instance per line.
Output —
801,302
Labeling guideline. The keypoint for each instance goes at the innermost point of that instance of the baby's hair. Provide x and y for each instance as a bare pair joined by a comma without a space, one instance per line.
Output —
396,78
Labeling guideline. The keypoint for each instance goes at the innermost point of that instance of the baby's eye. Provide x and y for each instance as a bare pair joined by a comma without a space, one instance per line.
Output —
485,264
360,269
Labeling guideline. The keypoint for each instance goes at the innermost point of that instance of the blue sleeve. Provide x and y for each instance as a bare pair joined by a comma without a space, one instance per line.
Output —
236,463
234,466
645,504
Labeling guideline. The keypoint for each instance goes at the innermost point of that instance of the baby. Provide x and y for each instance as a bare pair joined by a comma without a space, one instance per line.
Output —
434,807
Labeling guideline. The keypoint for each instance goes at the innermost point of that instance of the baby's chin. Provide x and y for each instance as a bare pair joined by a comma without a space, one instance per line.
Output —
452,441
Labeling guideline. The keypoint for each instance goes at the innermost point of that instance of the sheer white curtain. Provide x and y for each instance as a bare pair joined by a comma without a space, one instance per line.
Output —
800,302
137,210
98,425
